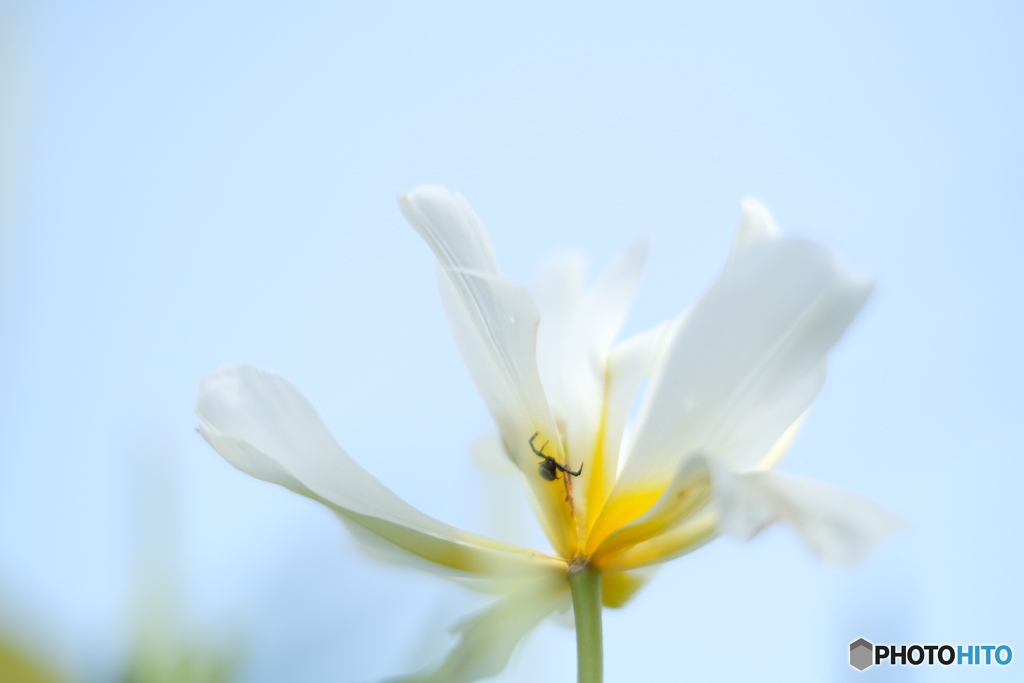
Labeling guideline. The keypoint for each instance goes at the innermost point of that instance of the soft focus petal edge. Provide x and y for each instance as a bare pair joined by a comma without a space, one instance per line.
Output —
262,425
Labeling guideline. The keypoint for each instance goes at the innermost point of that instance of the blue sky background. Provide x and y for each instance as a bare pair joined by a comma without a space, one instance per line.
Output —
203,183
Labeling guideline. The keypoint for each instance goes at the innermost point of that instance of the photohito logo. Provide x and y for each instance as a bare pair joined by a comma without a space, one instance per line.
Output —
863,654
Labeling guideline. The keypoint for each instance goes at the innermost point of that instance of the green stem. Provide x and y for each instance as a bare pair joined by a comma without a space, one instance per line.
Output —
585,584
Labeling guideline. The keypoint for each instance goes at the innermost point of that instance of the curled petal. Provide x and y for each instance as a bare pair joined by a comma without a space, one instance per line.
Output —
448,224
263,425
504,373
496,335
494,323
487,638
837,525
493,319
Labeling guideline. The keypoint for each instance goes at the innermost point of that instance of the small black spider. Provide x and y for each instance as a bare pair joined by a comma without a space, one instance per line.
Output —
550,468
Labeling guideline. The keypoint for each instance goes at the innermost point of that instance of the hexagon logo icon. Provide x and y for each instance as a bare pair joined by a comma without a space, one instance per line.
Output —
861,654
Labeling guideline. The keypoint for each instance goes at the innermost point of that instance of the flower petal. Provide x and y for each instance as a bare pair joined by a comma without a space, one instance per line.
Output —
574,341
837,525
781,445
493,319
688,492
265,427
747,362
487,638
756,225
585,361
448,224
503,388
494,323
496,336
557,290
674,542
488,452
618,588
631,362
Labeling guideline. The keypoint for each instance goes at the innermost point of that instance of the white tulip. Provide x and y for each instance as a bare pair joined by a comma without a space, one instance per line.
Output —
728,384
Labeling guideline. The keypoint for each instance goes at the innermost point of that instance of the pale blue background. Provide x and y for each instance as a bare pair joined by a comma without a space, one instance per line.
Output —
202,183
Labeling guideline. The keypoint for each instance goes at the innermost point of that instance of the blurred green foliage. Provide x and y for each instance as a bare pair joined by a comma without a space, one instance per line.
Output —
192,663
18,666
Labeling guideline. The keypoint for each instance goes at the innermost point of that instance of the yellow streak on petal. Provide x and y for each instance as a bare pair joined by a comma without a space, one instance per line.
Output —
681,503
464,556
779,448
559,520
599,479
618,587
619,512
681,540
556,502
553,501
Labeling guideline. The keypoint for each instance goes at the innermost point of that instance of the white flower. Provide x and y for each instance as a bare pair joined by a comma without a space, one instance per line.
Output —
728,384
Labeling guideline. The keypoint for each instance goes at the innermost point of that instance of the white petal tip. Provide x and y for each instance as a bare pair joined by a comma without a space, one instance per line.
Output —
751,205
428,192
756,224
